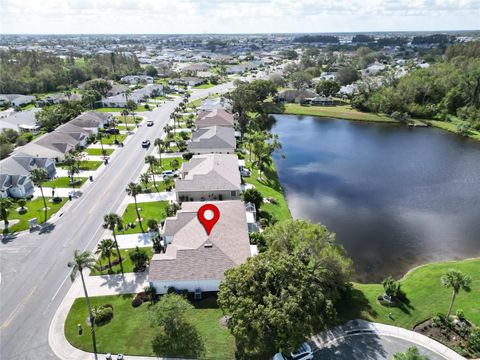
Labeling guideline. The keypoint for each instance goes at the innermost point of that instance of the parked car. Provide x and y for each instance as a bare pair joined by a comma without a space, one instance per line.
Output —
169,173
146,143
304,352
112,131
150,123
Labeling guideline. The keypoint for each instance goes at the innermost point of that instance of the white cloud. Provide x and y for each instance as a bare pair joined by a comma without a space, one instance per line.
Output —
230,16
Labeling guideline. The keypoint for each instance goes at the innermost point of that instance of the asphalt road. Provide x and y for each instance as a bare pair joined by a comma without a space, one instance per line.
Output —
34,273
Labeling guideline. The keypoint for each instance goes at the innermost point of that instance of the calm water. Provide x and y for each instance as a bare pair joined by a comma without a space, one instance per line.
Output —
396,197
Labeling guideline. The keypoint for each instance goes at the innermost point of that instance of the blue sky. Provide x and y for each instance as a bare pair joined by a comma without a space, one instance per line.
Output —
231,16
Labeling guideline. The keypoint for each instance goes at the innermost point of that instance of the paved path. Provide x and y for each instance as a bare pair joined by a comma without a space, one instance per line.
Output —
360,339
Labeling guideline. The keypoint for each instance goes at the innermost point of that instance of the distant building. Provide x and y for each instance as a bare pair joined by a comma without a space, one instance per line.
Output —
216,117
16,99
136,79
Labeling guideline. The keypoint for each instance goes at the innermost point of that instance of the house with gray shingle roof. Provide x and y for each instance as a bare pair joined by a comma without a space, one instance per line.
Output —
92,121
209,177
194,260
15,174
216,117
213,139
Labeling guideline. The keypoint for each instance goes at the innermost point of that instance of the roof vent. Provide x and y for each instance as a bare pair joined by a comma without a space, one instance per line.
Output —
208,245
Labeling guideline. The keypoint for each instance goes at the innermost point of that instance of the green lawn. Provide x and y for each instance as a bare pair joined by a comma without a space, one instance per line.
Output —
110,139
448,126
34,210
98,152
129,331
64,182
28,107
207,85
127,263
85,165
151,189
269,186
167,163
130,119
338,112
425,295
109,109
148,210
122,127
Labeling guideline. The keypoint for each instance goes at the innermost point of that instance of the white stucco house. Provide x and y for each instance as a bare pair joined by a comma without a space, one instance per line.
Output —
194,260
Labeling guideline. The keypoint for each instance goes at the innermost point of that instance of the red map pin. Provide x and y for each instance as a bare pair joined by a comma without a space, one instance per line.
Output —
208,224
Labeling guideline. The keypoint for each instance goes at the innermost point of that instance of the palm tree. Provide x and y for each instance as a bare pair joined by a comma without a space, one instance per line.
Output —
160,144
113,222
81,261
99,137
133,190
105,249
72,170
152,162
125,114
145,180
457,281
39,176
5,204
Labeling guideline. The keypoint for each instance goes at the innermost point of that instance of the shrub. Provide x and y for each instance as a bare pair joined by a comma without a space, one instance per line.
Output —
460,314
56,199
184,293
171,290
187,156
22,203
136,302
103,314
139,258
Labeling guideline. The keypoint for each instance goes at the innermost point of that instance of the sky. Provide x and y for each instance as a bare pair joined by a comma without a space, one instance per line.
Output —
234,16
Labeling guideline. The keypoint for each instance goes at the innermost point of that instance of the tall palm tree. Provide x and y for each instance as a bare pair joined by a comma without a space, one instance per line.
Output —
145,180
457,281
133,190
39,176
99,137
113,222
72,170
81,261
5,205
105,249
125,114
161,145
152,162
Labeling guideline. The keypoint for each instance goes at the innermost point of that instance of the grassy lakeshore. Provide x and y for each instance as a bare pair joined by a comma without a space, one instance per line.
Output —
337,112
425,294
346,112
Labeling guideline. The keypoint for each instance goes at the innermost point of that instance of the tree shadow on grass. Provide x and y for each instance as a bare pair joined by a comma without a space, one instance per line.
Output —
354,305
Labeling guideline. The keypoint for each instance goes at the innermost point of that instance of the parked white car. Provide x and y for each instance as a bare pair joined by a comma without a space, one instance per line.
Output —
304,352
169,173
245,172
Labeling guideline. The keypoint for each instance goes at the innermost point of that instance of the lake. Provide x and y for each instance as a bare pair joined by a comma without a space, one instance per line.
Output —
395,196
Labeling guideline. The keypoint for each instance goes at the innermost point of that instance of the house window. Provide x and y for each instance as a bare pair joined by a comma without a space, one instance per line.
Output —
233,193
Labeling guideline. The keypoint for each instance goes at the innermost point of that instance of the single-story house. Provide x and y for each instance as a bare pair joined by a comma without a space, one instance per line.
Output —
135,79
92,121
137,96
58,98
194,260
203,66
117,89
213,104
213,139
20,120
187,81
319,100
15,174
209,177
290,96
216,117
16,99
